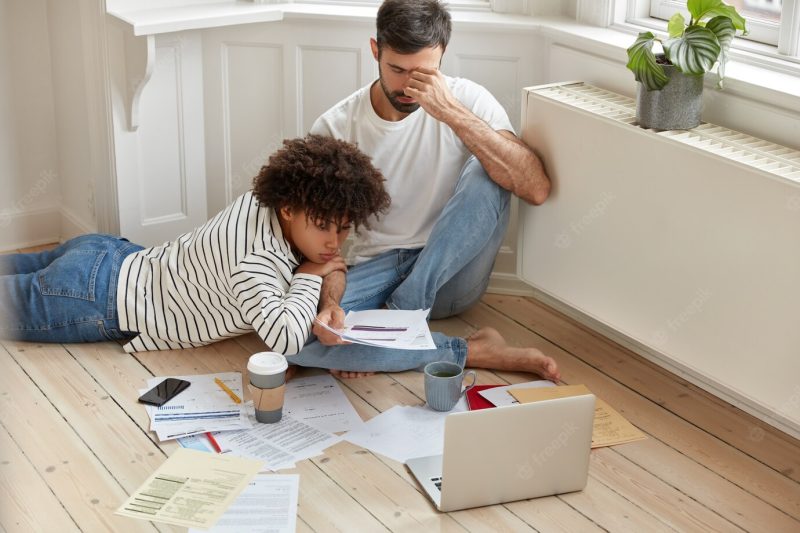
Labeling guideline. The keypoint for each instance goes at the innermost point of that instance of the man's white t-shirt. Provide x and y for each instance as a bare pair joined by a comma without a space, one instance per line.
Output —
420,157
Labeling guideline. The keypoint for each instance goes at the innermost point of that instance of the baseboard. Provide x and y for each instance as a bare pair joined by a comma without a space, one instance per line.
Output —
28,228
502,283
72,226
733,397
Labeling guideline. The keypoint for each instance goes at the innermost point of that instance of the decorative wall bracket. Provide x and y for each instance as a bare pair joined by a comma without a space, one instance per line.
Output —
140,56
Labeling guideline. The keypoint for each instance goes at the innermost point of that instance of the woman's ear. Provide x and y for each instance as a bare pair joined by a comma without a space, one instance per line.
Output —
286,213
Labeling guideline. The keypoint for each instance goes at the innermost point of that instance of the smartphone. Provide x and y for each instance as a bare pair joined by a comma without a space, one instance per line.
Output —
164,391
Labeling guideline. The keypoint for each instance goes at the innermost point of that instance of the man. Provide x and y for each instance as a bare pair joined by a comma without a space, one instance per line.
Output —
451,160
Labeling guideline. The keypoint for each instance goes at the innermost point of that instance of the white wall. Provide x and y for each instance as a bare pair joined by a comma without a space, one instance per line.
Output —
29,172
72,118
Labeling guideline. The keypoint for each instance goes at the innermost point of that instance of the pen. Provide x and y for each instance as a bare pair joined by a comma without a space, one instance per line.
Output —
213,442
224,387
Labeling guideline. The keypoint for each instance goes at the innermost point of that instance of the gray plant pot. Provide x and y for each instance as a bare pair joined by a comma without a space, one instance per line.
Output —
675,107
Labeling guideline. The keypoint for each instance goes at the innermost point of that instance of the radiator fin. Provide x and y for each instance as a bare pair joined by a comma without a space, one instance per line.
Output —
733,145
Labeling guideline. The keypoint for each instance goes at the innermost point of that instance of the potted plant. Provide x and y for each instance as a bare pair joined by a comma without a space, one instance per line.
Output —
670,89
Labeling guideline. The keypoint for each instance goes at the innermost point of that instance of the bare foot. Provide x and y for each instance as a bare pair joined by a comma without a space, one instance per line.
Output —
290,372
486,348
348,374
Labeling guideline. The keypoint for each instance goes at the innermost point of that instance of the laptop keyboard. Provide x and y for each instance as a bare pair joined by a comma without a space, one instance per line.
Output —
438,482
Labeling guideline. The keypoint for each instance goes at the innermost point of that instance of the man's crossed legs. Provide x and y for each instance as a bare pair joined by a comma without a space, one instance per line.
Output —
448,275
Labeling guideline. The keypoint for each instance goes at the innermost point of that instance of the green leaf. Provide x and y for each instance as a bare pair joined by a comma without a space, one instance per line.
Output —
701,9
676,25
725,31
698,7
642,63
695,53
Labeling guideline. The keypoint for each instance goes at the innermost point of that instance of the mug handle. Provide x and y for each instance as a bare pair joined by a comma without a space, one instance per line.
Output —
474,379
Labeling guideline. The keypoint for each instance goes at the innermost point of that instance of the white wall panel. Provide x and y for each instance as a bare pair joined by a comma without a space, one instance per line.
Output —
161,165
162,185
253,104
29,177
327,74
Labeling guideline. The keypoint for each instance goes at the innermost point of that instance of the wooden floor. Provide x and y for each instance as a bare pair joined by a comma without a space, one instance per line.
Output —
74,443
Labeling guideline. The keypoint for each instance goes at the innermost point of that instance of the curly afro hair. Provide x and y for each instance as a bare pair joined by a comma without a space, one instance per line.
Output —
332,180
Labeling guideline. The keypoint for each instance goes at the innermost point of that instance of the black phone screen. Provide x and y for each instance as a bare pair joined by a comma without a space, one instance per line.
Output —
164,391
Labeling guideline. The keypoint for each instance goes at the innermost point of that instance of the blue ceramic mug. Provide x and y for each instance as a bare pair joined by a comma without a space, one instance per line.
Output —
443,381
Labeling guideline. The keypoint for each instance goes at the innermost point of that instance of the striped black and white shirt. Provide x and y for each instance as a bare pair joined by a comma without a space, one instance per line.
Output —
230,276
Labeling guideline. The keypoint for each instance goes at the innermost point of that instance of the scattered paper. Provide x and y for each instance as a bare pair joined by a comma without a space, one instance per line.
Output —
267,505
320,402
610,427
202,407
279,445
191,489
403,432
388,328
499,396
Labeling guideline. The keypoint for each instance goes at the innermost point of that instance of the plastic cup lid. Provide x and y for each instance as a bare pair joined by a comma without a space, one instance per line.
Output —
267,363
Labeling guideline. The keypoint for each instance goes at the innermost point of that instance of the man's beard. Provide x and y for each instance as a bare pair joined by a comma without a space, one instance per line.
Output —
392,97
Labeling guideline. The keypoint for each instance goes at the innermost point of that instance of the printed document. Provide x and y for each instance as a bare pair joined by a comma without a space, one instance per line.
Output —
320,402
202,407
191,489
500,396
388,328
267,505
403,432
279,445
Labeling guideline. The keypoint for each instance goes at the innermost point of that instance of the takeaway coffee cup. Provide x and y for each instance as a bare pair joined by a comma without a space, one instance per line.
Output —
443,382
267,374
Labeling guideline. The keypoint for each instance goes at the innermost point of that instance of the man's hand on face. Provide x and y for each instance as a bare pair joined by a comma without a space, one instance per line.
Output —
428,87
334,318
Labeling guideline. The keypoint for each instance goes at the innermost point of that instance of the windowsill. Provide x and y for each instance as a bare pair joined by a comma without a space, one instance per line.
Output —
200,16
771,80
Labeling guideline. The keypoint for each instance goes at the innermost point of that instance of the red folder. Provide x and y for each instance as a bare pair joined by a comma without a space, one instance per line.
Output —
475,401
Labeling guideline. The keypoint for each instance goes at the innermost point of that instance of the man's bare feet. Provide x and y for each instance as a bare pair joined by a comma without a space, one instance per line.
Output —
486,348
290,372
349,374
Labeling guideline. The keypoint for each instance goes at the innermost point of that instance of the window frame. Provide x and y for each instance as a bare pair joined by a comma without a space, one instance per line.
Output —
758,30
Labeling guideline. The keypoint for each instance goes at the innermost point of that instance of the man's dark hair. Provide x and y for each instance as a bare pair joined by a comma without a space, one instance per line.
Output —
408,26
331,180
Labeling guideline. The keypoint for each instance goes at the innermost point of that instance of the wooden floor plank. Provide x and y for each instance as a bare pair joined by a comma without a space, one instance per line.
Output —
122,447
326,506
691,403
660,499
742,470
87,491
26,502
122,376
707,487
553,515
396,503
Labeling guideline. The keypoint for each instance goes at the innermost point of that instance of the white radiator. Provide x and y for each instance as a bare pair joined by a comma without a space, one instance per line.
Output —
684,245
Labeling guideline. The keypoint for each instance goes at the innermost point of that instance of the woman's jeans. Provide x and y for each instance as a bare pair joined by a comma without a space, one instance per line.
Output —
448,276
68,294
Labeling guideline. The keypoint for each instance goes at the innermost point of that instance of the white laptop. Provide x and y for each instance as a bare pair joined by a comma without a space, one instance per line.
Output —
504,454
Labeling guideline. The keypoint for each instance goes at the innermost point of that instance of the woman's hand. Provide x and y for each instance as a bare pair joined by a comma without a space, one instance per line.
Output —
322,269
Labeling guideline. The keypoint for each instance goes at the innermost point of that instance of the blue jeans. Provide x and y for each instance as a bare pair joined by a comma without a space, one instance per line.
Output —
68,294
448,275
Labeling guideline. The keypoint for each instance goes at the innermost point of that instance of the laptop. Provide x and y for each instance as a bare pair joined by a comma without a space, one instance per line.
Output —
510,453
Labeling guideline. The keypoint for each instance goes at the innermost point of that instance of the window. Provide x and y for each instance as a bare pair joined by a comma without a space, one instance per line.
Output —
765,22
